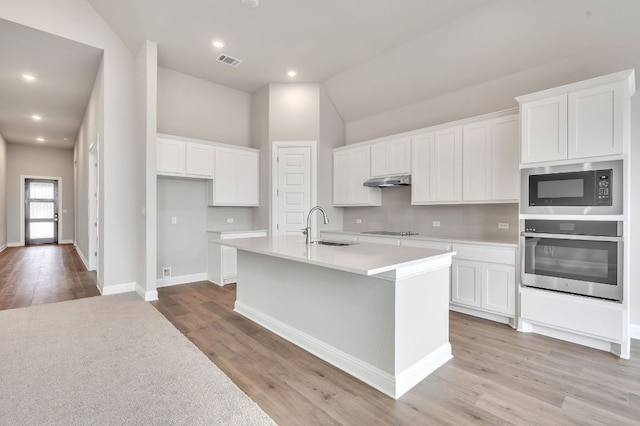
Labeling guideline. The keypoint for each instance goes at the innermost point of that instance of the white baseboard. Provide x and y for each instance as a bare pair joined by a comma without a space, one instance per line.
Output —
84,260
117,289
482,314
373,376
65,242
182,279
148,296
15,244
3,248
634,331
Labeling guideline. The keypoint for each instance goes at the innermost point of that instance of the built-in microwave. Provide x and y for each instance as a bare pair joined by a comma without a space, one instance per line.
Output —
586,188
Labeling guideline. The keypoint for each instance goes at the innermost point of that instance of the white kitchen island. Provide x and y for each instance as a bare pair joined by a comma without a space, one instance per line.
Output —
380,313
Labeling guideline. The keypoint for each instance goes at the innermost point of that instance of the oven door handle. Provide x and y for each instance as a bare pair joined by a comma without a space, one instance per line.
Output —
572,237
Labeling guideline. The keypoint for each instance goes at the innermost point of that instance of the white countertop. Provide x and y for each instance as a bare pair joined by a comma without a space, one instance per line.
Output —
236,233
492,241
358,258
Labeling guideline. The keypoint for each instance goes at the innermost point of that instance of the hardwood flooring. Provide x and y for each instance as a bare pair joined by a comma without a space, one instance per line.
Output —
498,375
35,275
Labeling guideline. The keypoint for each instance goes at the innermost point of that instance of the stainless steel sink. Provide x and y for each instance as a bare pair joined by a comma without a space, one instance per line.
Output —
332,243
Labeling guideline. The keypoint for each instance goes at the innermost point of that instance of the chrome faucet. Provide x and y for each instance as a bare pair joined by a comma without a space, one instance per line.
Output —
307,231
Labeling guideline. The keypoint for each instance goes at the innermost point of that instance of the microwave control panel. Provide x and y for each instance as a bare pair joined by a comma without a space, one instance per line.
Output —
603,187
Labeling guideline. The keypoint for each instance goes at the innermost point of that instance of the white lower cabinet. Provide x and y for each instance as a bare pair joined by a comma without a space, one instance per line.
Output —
483,278
222,262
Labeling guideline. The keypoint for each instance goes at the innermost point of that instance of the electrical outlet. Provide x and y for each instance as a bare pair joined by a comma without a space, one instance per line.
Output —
174,220
436,223
503,225
166,272
358,221
230,220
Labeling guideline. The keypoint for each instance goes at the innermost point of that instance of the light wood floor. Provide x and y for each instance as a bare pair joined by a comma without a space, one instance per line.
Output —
498,376
35,275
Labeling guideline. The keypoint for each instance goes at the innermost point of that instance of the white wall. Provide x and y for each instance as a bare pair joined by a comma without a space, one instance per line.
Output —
78,21
182,246
260,140
331,136
196,108
3,193
27,160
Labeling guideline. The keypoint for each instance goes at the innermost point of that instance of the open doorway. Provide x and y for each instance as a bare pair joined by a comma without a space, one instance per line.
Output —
40,211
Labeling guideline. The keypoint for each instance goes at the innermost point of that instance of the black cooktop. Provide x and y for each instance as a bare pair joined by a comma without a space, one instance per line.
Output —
396,233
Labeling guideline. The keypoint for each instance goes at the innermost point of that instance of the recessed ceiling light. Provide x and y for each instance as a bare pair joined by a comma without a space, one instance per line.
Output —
36,117
66,139
218,43
29,77
292,73
40,139
251,3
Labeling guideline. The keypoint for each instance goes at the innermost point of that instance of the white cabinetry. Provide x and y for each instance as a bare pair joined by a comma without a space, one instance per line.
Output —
483,278
222,265
490,160
235,181
581,120
391,157
351,168
437,166
183,159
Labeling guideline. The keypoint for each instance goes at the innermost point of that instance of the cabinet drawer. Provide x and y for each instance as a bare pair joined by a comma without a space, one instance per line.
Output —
481,253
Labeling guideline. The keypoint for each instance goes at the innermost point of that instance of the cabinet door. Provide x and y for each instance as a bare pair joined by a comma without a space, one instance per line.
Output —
505,171
379,159
359,172
466,283
247,189
476,161
596,122
446,165
399,156
170,157
225,180
199,160
229,264
544,129
499,288
421,168
341,183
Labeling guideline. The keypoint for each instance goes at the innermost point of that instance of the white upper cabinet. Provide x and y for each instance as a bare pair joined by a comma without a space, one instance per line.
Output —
391,157
437,166
351,168
580,120
183,159
490,169
236,178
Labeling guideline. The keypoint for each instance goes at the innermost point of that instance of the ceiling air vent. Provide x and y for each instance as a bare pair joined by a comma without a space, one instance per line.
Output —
229,60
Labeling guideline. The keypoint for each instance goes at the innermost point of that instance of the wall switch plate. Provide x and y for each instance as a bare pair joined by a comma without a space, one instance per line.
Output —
503,225
174,220
358,221
436,223
230,220
166,272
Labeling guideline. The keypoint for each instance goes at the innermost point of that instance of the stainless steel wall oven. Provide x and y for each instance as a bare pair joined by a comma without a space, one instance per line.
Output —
579,257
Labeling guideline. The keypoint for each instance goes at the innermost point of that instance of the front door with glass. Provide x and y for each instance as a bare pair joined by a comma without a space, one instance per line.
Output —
41,211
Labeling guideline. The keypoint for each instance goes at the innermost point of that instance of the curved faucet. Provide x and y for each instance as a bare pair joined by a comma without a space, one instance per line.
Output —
307,231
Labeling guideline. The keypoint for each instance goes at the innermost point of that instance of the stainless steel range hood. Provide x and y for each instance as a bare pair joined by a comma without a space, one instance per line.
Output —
388,181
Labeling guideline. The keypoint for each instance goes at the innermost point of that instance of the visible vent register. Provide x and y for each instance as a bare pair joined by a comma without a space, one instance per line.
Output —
225,59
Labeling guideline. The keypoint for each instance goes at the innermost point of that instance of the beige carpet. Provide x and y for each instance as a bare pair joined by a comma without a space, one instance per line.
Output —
110,360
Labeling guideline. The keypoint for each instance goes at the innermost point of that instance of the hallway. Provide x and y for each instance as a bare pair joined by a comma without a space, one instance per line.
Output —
36,275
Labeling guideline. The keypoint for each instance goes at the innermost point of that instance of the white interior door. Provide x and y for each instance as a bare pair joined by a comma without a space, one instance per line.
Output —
293,189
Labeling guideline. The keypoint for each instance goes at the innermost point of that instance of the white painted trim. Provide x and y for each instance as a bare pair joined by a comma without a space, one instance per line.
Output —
182,279
3,248
22,182
373,376
84,260
483,314
275,145
148,296
634,331
15,244
117,289
65,242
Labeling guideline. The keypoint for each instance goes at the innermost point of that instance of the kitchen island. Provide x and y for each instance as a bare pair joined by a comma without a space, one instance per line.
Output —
380,313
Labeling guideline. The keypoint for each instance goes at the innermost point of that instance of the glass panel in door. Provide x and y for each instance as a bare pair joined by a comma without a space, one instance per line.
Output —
41,211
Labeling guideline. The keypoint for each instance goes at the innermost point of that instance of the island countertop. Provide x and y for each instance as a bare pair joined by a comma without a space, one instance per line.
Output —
358,258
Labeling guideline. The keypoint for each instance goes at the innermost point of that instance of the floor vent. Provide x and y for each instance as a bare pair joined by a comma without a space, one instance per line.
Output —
225,59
